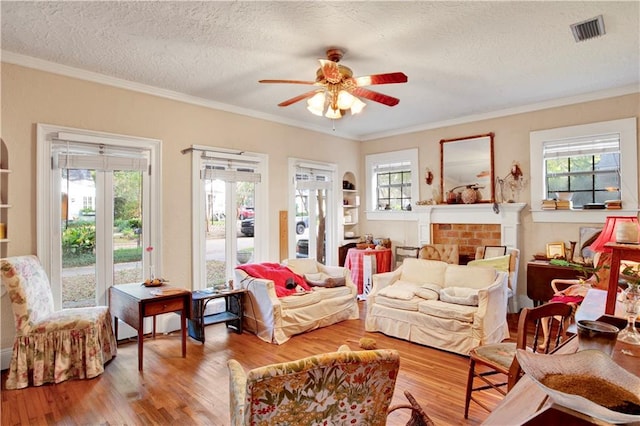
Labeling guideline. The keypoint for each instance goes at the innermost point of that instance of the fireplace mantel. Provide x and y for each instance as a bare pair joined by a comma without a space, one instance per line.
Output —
508,218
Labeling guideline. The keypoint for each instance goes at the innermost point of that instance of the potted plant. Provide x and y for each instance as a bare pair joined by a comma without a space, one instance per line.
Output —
244,255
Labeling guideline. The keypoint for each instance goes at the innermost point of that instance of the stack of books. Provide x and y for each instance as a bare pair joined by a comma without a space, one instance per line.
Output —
613,204
548,204
563,204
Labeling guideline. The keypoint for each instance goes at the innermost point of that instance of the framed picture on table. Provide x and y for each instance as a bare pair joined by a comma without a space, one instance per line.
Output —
555,250
494,251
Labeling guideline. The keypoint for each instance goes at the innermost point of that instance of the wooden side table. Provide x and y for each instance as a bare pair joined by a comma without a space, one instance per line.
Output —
133,302
232,315
618,252
539,276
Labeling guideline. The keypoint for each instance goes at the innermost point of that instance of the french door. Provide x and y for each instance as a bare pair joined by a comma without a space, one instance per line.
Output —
95,217
229,213
313,211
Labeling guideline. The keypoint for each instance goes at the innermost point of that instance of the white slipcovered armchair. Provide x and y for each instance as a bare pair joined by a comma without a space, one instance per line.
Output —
275,319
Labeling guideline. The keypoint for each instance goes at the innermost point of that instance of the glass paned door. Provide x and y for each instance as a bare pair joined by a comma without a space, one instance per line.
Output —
101,233
230,227
310,219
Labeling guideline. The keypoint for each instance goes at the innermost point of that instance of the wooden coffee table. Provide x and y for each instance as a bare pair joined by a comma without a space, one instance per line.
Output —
133,302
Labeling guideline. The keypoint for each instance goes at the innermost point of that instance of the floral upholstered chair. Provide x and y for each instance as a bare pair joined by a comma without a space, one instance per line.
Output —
334,388
52,346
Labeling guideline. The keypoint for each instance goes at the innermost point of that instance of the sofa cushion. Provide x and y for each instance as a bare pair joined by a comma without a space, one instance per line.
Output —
500,263
303,266
440,309
460,295
399,290
300,300
331,292
321,279
403,305
429,291
423,271
469,276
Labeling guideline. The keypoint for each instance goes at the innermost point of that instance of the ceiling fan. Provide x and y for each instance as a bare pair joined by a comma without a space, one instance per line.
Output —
339,90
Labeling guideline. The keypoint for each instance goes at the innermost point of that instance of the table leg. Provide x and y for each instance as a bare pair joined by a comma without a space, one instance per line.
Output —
183,327
153,334
140,342
115,328
612,291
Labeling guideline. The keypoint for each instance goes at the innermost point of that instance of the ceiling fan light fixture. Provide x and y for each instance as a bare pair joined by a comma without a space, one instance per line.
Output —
333,114
345,99
317,101
357,106
315,111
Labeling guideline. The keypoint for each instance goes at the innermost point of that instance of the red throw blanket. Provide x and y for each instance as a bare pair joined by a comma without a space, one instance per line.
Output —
276,273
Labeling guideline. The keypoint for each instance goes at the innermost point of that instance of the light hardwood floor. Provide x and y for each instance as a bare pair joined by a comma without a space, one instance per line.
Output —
194,390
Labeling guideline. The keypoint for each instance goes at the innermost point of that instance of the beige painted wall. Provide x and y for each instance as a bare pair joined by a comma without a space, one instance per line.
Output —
30,96
511,143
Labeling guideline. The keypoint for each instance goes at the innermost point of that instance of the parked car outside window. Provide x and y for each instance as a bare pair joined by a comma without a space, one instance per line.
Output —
245,212
247,227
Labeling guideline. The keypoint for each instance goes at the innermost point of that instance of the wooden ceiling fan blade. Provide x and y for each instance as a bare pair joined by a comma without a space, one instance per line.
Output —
375,96
388,78
298,98
287,81
331,71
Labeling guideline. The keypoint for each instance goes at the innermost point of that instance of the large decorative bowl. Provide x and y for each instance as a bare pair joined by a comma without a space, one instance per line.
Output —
590,362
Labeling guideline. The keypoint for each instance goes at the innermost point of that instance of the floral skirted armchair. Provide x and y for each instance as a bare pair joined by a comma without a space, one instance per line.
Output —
336,388
52,346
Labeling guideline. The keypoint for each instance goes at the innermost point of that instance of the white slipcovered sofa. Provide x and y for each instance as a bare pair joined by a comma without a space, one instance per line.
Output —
449,307
275,319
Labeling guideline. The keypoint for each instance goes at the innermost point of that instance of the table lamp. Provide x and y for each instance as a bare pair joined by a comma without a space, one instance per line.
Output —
617,229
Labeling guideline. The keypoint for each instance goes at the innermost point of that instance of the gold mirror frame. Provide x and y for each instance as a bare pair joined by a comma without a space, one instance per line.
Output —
467,162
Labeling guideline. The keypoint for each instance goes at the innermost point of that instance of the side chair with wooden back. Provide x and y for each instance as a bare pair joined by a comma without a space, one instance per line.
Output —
499,358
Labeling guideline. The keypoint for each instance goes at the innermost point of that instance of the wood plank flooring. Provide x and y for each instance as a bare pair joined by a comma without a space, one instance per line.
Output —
194,390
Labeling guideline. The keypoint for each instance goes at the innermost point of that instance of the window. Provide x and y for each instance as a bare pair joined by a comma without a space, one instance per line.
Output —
587,167
230,223
595,162
87,203
98,207
392,181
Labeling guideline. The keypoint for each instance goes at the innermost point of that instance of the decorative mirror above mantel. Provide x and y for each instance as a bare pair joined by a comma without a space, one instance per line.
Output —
466,166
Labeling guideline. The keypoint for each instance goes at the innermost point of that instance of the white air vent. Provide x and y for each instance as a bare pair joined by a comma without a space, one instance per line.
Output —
588,29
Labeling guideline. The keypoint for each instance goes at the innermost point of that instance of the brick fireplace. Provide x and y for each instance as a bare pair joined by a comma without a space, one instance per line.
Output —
470,225
467,236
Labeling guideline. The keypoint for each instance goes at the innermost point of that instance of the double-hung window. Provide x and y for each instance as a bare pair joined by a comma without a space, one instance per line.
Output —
588,167
392,181
595,162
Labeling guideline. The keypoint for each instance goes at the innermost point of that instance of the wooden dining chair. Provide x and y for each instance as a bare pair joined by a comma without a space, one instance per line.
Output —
499,359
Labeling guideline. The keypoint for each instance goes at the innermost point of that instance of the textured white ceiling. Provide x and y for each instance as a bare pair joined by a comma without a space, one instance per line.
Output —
462,58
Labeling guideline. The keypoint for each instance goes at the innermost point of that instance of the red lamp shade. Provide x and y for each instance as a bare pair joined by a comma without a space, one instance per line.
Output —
608,234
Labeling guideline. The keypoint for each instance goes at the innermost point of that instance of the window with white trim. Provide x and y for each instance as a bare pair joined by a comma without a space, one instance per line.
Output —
392,181
595,162
587,167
